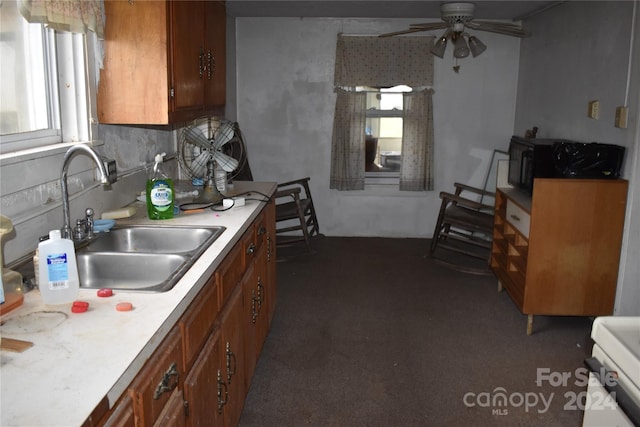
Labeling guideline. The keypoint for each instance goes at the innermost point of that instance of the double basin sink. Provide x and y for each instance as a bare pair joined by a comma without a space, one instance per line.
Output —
142,258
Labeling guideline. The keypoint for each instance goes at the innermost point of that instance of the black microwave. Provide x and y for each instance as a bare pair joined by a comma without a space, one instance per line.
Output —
559,158
530,159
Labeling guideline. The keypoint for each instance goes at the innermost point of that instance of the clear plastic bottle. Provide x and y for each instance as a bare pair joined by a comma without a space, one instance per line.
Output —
220,176
160,192
59,281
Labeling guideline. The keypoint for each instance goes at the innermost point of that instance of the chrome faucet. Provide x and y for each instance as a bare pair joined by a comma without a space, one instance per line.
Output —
65,231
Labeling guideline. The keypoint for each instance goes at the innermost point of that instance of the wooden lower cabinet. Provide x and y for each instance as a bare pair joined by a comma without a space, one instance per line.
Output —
153,387
256,312
200,374
173,413
197,323
233,354
122,415
205,390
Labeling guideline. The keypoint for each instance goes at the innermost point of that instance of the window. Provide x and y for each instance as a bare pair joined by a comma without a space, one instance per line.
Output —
406,126
383,141
43,82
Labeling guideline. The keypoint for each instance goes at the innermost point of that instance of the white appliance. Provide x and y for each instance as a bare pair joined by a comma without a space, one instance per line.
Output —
613,392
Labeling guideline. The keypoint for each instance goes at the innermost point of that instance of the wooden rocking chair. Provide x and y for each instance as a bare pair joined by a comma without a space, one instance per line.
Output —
296,219
464,228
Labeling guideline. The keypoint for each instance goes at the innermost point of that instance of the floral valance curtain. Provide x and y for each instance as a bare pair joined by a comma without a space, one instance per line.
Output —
76,16
383,61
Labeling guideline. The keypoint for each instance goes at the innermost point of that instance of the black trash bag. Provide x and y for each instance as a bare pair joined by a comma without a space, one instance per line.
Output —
588,160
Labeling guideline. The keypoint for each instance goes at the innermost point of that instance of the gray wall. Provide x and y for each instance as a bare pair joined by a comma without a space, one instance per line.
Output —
285,106
580,52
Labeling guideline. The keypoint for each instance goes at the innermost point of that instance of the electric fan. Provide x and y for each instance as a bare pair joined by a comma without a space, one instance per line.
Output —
206,145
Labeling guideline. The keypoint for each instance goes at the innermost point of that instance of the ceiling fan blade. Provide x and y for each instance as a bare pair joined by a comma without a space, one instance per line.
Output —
398,33
199,164
497,23
506,29
226,162
196,136
430,26
223,134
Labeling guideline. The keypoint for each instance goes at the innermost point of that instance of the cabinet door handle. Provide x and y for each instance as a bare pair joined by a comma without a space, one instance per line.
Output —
231,357
222,385
251,249
166,384
515,217
254,313
260,293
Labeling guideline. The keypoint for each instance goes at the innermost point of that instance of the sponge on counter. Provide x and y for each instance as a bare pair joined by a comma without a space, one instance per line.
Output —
125,212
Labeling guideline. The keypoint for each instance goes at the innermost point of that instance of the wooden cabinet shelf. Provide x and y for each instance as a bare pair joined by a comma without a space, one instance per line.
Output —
557,252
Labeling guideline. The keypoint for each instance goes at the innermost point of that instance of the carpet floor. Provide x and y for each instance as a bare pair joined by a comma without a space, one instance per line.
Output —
373,332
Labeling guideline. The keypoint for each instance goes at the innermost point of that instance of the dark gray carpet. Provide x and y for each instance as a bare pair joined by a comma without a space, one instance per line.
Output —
372,332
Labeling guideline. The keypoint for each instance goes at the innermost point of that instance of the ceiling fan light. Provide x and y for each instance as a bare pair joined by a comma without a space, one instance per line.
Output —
460,47
476,46
439,47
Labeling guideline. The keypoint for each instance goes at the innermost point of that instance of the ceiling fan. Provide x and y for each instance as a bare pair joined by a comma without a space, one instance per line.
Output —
457,17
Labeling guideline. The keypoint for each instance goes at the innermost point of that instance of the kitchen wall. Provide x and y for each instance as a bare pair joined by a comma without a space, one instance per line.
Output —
30,183
581,52
285,104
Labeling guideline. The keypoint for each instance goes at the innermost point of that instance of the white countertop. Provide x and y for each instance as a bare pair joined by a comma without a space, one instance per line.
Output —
78,359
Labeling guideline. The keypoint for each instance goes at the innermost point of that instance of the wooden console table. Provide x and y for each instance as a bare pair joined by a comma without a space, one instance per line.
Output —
557,252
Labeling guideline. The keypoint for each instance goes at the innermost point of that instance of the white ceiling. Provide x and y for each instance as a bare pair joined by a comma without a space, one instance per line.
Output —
485,9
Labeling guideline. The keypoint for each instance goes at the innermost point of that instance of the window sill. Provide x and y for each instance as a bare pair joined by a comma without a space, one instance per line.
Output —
40,152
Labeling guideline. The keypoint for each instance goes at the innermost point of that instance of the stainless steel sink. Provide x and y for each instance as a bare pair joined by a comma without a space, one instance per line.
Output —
142,258
157,240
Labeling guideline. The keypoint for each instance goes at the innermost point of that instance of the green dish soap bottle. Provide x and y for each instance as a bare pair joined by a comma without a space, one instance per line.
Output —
160,192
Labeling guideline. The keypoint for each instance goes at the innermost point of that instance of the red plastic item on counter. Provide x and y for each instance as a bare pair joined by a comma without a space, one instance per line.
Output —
79,306
105,292
124,306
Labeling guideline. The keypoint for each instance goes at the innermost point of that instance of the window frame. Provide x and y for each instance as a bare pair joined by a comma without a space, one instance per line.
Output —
382,177
70,112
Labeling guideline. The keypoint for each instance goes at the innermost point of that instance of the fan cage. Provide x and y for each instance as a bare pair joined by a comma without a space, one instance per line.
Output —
236,147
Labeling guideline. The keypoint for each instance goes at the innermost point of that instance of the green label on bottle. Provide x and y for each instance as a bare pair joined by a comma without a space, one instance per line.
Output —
161,195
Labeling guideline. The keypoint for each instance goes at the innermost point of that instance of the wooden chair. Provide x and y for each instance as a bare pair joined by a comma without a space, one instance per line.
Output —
296,219
464,228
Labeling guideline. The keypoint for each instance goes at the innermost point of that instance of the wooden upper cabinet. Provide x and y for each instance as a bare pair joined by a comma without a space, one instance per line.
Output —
187,29
216,52
164,62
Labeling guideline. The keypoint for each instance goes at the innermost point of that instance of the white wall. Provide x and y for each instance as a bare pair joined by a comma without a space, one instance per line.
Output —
580,52
30,184
285,104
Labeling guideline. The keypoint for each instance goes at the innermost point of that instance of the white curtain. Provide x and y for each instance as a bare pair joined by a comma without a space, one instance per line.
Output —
347,149
382,62
416,171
